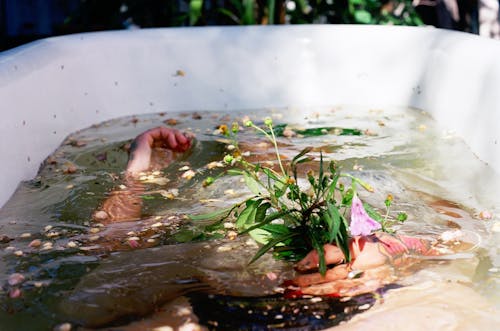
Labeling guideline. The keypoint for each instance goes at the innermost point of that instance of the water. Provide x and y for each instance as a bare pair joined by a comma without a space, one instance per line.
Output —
432,174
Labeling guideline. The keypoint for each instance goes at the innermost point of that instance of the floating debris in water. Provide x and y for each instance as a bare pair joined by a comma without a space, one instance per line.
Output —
69,168
100,215
364,307
163,328
15,279
229,225
133,243
231,235
230,192
35,243
225,248
38,284
78,143
47,245
52,234
15,293
215,164
188,174
171,121
71,244
63,327
451,235
94,238
154,179
485,215
5,239
422,127
271,275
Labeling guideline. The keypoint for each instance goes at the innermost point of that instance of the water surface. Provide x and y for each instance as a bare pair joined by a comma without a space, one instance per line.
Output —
431,173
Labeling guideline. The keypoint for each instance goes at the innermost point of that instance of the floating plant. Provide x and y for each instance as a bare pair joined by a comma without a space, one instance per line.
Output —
291,219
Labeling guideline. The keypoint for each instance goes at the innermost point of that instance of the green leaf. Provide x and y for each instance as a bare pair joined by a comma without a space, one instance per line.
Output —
321,131
342,239
362,16
321,173
260,235
278,129
270,10
194,11
314,132
373,213
269,173
269,218
332,188
187,235
334,214
347,197
229,14
321,254
293,193
216,215
402,217
276,229
251,183
271,244
248,213
248,14
327,218
260,215
302,153
235,172
279,189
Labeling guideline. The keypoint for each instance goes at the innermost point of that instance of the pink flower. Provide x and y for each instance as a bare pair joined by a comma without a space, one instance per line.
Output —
361,223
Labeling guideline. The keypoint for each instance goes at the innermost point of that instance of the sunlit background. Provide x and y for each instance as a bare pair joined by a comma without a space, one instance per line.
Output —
22,21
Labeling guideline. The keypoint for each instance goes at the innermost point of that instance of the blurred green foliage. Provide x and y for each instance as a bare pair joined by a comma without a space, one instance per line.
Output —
115,14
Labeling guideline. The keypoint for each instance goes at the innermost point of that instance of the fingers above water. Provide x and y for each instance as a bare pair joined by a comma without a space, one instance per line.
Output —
167,138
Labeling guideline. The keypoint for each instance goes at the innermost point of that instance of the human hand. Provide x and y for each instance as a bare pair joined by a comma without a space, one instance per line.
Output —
373,259
160,137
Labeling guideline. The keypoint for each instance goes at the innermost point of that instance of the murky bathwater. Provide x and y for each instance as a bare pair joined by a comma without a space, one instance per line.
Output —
49,237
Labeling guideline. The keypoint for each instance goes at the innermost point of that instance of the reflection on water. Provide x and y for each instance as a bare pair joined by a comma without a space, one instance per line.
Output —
47,234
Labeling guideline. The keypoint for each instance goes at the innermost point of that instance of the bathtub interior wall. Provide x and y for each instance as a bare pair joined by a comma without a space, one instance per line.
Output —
55,86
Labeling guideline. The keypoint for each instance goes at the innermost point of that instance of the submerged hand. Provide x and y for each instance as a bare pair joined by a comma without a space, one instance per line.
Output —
372,261
160,137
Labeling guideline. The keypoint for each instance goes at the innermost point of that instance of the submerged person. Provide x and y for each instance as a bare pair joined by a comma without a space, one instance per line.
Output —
154,149
373,257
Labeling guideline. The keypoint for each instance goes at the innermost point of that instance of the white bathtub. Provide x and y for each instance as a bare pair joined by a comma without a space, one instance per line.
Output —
54,86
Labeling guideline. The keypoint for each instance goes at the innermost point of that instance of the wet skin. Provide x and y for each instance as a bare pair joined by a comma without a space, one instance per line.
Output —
373,257
126,204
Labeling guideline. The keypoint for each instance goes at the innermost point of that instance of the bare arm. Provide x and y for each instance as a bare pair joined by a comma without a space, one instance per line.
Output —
126,204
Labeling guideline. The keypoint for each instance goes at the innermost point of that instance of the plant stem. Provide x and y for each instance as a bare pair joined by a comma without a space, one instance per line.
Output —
365,185
272,138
